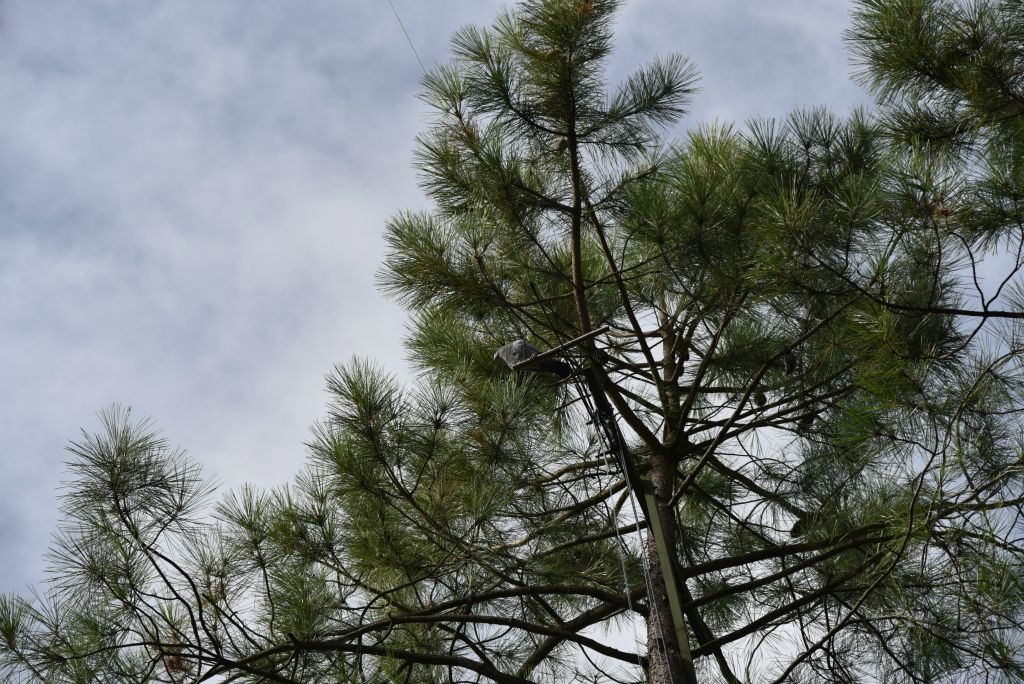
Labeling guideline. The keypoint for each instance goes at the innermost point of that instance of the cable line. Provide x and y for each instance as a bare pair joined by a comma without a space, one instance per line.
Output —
407,38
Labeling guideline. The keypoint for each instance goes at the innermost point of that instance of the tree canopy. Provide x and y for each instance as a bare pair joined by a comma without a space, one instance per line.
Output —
795,352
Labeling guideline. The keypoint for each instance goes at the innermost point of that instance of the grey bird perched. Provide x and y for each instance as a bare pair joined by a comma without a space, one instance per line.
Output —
519,351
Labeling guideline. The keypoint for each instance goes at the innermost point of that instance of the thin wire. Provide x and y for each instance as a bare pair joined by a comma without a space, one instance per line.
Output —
581,388
622,548
597,419
584,392
589,408
407,38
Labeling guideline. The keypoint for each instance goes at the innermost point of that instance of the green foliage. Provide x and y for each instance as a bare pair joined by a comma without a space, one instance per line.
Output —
812,354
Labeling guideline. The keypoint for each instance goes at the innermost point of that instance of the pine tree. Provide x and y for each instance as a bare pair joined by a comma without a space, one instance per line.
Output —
793,351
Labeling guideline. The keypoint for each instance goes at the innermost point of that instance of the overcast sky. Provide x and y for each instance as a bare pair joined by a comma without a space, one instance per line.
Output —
192,197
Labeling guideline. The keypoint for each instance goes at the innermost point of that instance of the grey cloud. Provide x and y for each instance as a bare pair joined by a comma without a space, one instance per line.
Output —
192,196
755,58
